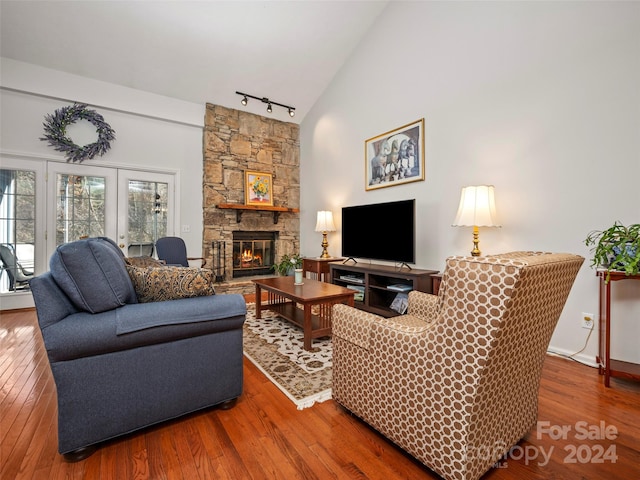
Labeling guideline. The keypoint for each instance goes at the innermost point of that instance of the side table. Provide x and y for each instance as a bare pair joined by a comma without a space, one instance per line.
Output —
606,365
317,268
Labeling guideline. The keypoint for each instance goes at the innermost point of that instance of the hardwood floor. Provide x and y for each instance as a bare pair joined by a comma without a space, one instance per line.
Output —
265,437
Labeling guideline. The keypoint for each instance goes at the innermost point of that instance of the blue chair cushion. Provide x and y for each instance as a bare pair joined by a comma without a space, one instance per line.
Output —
92,274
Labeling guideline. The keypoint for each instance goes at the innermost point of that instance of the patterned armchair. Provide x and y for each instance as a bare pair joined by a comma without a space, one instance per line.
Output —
455,381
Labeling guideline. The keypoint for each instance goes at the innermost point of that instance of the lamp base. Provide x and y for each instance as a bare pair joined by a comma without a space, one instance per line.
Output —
476,240
324,245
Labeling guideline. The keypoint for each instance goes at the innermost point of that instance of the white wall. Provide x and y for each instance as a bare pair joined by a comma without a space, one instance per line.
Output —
540,99
152,132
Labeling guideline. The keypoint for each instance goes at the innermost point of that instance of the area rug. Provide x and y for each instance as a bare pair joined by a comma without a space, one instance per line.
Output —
275,346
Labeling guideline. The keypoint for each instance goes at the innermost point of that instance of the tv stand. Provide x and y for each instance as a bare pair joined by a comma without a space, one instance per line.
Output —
377,286
350,258
403,264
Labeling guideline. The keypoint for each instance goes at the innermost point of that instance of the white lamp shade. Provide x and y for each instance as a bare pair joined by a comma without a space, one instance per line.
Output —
324,222
477,207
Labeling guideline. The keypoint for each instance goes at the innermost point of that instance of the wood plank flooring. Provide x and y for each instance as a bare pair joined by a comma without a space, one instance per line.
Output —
265,437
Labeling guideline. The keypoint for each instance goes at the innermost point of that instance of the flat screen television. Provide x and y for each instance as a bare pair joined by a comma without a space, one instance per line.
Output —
380,231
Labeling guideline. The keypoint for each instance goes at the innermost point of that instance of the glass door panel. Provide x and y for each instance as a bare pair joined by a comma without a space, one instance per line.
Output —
80,207
84,203
17,228
149,200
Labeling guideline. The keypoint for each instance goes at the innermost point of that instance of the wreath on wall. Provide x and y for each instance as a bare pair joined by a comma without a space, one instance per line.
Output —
55,132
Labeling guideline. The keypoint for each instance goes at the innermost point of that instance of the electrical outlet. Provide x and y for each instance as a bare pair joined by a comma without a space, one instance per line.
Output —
587,320
186,228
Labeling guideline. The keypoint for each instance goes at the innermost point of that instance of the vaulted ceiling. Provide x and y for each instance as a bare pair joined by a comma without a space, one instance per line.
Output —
197,51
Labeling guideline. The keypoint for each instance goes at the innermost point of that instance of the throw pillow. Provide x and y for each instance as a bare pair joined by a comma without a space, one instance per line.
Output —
92,274
157,284
144,262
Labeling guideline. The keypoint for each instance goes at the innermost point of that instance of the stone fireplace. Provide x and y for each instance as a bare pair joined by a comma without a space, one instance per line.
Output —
236,141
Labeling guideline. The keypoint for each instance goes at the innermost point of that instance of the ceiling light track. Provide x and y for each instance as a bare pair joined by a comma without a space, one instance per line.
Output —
270,103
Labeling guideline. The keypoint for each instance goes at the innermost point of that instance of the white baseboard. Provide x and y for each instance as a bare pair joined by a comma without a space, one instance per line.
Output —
585,359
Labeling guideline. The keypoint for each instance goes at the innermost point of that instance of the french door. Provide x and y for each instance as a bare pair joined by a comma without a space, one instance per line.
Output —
45,204
132,207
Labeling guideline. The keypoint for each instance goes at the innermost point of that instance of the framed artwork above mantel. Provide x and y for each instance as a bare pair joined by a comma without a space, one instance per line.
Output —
395,157
258,188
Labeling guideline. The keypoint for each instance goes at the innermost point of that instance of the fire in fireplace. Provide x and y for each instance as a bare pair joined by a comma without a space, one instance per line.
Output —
253,253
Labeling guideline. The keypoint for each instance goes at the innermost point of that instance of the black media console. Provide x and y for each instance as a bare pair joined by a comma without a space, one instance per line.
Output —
377,286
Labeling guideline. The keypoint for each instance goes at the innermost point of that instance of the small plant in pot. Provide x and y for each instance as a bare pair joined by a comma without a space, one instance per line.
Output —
287,264
616,248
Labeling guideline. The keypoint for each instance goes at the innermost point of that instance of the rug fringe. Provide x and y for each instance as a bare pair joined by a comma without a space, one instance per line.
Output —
303,402
316,398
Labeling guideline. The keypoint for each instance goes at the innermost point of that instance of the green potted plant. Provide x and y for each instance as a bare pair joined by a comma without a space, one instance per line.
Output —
287,264
616,248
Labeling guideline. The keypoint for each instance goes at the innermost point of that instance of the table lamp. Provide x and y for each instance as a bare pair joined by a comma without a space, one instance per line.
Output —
477,209
325,224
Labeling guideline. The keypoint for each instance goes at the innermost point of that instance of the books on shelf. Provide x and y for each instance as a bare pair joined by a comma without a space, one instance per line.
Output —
400,287
359,296
400,303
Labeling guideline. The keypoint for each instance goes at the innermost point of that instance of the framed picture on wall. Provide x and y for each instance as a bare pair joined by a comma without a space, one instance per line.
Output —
395,157
258,188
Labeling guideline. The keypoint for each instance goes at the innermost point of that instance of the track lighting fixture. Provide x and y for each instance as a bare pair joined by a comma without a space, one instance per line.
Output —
270,103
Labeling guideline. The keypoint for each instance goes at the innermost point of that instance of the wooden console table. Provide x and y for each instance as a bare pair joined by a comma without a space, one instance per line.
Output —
240,209
606,365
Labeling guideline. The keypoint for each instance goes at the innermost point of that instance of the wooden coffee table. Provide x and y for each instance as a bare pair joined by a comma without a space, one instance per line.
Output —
284,297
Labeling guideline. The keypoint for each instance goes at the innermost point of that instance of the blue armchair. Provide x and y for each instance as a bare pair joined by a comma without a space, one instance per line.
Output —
120,365
174,252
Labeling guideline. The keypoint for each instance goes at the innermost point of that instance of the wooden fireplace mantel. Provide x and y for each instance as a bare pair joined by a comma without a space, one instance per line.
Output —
240,209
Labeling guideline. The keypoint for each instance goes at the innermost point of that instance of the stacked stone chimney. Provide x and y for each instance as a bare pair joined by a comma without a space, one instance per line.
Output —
234,142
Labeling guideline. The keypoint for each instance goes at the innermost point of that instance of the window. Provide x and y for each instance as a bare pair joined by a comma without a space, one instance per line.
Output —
17,228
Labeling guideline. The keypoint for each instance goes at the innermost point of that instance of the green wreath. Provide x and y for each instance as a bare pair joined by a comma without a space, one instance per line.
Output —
55,132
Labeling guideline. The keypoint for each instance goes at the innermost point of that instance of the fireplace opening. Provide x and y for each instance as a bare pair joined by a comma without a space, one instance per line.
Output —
253,253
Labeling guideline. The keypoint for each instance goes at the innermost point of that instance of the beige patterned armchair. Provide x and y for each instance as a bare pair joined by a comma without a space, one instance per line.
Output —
455,381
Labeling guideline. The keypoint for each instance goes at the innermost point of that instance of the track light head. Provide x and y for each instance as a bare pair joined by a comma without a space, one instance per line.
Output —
292,112
244,100
269,109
